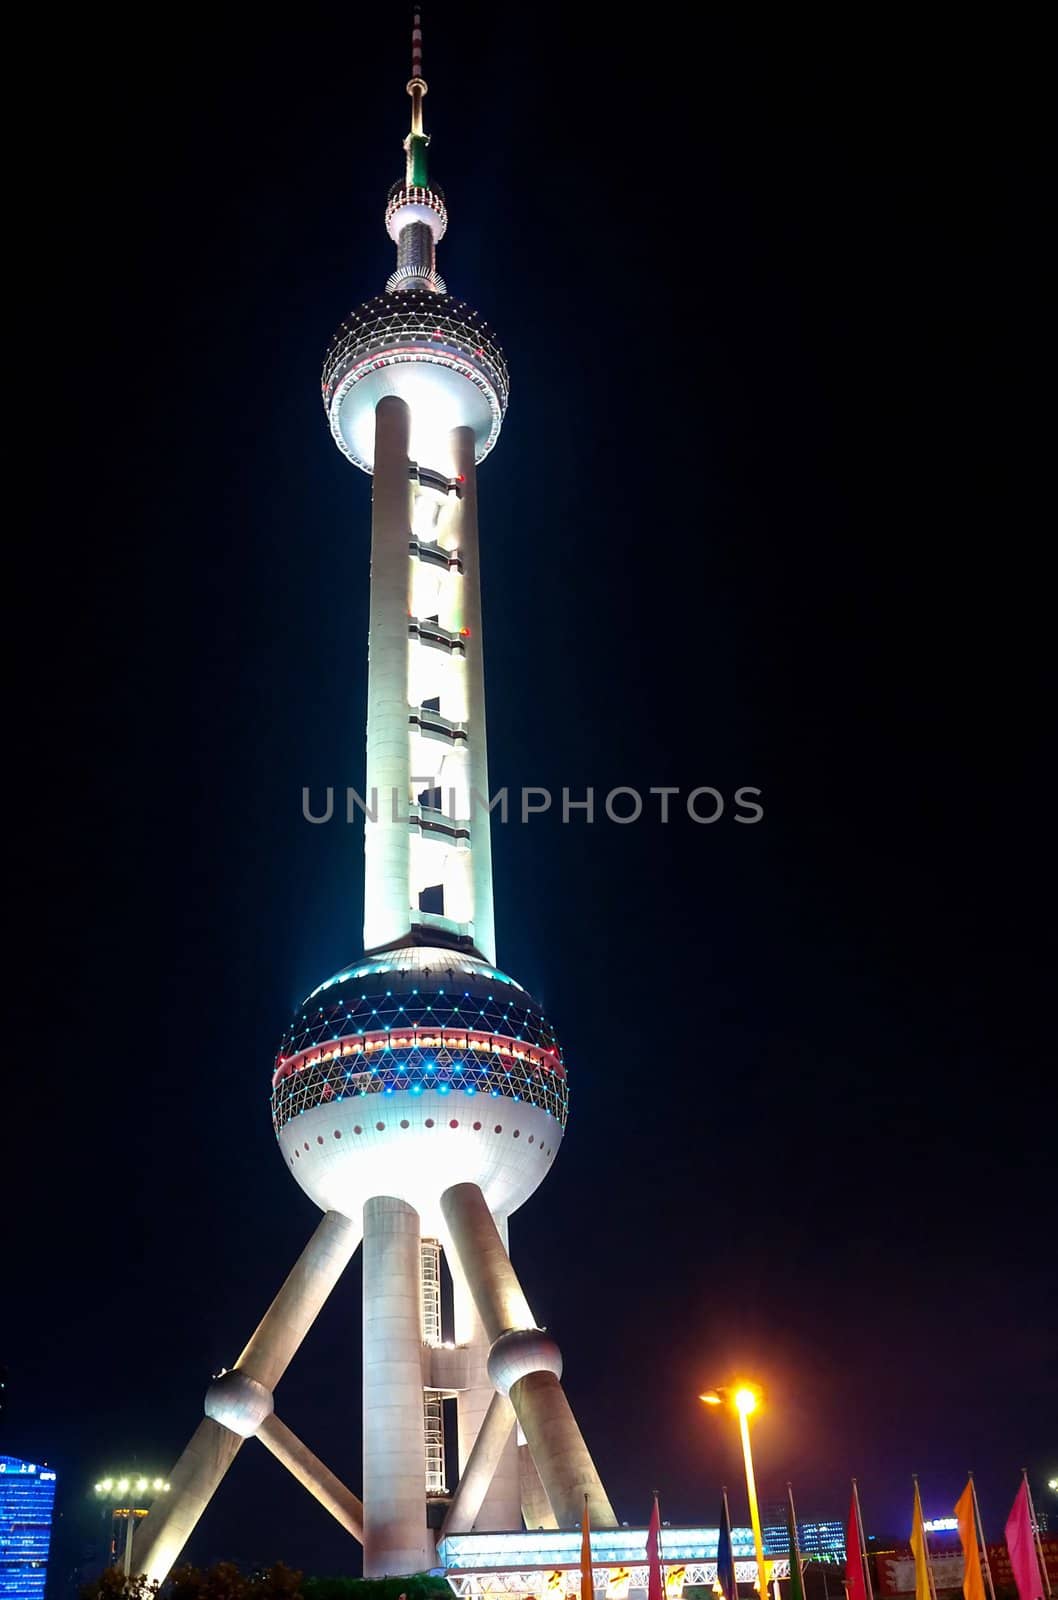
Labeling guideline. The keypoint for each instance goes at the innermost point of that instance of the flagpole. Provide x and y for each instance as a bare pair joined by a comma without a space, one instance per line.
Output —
795,1553
661,1549
925,1538
863,1541
1036,1533
731,1539
980,1531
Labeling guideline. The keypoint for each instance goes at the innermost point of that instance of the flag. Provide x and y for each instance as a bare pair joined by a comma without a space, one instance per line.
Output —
654,1584
797,1587
725,1556
973,1587
855,1581
587,1586
923,1587
1024,1561
674,1577
617,1587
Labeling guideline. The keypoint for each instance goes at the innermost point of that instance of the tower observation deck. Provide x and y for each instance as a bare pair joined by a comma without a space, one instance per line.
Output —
419,1096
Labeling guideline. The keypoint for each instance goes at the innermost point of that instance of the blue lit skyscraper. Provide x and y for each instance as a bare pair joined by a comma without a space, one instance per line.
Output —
27,1495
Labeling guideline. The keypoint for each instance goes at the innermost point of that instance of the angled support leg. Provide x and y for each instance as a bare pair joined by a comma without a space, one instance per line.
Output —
239,1402
310,1471
501,1508
536,1507
524,1362
481,1464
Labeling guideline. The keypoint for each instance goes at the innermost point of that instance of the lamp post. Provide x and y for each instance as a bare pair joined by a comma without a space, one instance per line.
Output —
117,1493
745,1399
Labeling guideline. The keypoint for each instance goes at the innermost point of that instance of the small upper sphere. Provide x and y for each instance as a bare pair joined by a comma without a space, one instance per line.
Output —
415,1070
433,352
415,203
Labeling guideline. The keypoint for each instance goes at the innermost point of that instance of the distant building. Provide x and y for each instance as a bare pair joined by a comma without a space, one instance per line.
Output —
27,1496
818,1541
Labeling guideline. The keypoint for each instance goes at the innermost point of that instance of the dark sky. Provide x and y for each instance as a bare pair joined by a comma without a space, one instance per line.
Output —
768,509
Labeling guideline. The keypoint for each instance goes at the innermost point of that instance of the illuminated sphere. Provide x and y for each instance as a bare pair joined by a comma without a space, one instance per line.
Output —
415,1070
430,350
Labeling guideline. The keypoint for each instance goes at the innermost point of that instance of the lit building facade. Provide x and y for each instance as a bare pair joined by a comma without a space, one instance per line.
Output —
818,1541
419,1096
27,1500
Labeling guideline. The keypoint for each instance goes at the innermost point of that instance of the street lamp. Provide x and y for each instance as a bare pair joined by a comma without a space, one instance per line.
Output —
745,1398
118,1494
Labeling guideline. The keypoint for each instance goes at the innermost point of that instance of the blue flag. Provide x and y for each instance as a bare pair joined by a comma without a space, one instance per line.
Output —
725,1556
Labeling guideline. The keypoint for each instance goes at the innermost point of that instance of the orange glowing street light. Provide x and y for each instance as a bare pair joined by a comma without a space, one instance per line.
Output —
745,1399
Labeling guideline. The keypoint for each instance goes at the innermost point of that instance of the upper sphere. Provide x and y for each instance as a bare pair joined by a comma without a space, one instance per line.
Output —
414,1070
432,351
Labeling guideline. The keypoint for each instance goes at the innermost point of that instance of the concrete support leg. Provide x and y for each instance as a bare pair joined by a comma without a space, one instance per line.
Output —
278,1336
536,1507
396,1539
524,1362
495,1432
566,1469
239,1401
500,1510
310,1471
165,1530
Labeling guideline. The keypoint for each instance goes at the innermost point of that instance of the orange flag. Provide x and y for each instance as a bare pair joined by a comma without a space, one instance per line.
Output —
587,1586
973,1587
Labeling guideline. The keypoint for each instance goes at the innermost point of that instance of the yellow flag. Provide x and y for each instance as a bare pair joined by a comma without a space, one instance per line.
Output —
674,1577
617,1587
923,1587
973,1587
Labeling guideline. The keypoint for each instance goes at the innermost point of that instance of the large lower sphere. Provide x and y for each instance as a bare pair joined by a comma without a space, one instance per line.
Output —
415,1070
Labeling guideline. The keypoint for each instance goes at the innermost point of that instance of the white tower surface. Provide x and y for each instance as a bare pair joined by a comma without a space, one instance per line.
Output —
419,1096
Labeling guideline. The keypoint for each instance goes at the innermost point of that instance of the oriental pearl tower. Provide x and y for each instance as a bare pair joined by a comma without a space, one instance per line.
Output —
419,1095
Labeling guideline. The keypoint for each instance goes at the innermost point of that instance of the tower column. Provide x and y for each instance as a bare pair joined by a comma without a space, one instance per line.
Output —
387,849
524,1362
462,444
499,1507
396,1540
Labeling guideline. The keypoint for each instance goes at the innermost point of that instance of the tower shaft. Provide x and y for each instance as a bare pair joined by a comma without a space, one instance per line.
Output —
428,857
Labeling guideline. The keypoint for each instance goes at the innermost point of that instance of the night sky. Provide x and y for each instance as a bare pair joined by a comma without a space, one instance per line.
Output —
768,509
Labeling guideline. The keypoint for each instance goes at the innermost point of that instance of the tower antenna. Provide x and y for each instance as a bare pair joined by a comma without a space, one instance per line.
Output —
417,83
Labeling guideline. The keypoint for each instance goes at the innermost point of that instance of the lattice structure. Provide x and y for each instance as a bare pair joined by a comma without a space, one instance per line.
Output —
491,1583
386,999
386,1030
493,1072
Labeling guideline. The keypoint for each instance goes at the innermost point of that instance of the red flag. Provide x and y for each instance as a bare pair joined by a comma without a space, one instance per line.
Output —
855,1583
1022,1546
655,1587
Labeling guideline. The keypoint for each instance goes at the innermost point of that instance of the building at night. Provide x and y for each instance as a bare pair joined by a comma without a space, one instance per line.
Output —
818,1541
27,1499
419,1095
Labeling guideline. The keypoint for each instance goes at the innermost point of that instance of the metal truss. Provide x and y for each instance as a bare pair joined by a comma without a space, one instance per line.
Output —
551,1583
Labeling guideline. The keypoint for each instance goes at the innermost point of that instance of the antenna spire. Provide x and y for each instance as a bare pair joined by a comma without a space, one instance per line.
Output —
416,88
